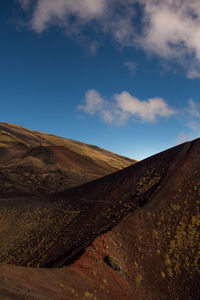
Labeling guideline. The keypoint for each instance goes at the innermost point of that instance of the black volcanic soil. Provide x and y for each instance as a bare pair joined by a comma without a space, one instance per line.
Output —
130,235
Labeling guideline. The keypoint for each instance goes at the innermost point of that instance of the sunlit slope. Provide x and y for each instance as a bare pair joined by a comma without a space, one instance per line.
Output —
33,162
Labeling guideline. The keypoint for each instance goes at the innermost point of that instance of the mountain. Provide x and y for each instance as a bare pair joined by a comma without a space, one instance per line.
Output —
133,234
33,162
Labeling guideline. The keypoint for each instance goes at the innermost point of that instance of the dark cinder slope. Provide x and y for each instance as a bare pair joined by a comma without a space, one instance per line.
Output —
33,163
146,222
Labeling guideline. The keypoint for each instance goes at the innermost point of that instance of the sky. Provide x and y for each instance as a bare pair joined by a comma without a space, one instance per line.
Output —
120,74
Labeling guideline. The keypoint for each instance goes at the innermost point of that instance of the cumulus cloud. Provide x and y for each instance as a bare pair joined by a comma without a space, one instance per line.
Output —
172,31
124,106
112,17
93,102
60,12
169,29
148,110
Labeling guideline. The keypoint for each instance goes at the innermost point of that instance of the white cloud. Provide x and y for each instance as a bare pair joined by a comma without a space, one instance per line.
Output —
59,12
113,16
107,116
124,106
172,31
169,29
93,102
148,110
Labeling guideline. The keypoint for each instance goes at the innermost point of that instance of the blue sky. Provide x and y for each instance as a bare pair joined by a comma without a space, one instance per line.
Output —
123,75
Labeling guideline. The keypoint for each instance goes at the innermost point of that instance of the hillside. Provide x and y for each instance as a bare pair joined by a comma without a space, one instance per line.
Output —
130,235
33,163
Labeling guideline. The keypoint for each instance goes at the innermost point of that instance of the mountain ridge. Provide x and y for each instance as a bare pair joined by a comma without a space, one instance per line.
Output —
132,234
33,162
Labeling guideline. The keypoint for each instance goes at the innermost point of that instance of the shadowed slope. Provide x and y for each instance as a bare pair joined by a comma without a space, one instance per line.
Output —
51,231
153,253
35,163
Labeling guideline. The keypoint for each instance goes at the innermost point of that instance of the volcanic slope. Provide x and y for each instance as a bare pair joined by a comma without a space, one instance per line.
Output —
33,163
131,235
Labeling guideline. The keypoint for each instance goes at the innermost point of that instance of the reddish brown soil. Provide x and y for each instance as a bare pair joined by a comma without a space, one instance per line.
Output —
35,163
131,235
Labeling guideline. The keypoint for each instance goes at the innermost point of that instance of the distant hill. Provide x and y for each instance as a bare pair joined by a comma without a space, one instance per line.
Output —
133,234
33,162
